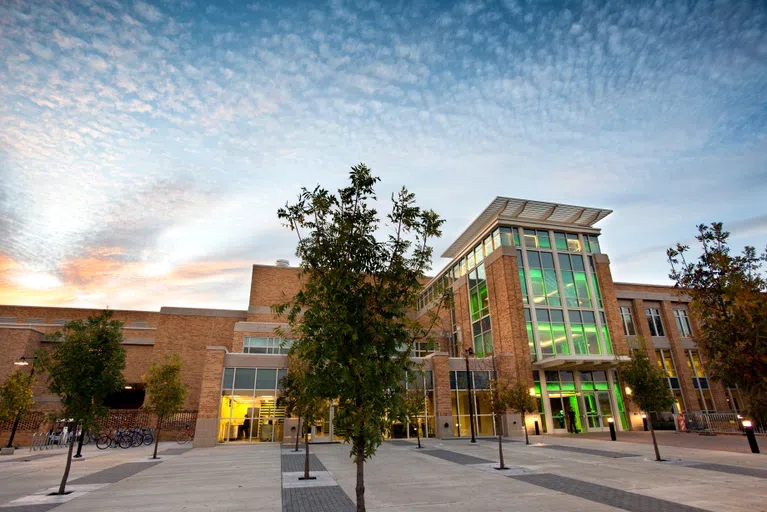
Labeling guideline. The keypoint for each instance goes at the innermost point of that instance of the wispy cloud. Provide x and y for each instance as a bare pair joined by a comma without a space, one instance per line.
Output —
173,131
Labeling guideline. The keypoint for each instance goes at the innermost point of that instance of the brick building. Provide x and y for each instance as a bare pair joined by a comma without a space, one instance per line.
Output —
531,288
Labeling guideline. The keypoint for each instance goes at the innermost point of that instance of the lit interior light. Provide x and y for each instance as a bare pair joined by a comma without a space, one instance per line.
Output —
747,423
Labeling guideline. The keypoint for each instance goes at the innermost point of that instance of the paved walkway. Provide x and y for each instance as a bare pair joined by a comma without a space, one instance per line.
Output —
720,442
573,474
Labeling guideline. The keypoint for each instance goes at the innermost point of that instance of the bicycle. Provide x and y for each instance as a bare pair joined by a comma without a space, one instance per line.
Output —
185,436
148,434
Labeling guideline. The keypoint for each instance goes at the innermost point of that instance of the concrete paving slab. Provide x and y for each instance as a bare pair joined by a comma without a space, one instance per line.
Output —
293,480
47,496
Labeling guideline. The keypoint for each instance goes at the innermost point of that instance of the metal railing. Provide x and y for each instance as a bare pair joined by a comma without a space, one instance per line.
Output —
717,423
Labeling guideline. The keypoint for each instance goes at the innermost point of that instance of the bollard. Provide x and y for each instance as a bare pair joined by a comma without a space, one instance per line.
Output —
611,423
644,422
749,428
537,428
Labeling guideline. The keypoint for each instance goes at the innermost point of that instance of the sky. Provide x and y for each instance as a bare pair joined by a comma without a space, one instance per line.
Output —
145,147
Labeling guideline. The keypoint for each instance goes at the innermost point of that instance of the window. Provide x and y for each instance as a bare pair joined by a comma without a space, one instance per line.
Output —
628,321
424,348
530,335
552,332
699,380
259,345
522,277
592,243
576,285
584,328
479,400
682,323
666,364
480,312
537,239
653,320
567,242
734,399
543,278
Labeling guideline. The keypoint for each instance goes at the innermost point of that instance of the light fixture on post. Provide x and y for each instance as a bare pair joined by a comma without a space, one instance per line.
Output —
627,390
470,352
22,361
611,424
644,422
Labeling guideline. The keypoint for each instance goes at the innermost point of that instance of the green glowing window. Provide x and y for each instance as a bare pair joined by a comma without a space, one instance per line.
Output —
592,243
606,334
530,335
522,277
560,241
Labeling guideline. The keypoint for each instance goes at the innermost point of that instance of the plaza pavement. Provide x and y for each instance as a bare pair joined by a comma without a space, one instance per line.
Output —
553,473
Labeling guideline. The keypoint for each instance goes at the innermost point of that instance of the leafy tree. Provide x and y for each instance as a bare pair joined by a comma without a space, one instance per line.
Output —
414,403
351,316
83,369
15,399
302,400
518,399
649,389
729,297
165,392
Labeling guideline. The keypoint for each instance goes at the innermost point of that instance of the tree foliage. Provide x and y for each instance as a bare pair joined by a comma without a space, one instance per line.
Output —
351,318
165,391
518,399
414,402
16,395
729,297
83,368
649,386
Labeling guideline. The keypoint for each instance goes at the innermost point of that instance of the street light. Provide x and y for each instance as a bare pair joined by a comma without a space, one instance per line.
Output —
470,352
21,362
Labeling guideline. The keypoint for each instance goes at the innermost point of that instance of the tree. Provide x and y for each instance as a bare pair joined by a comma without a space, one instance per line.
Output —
302,400
83,369
518,399
414,403
165,393
729,297
352,315
15,399
648,384
497,405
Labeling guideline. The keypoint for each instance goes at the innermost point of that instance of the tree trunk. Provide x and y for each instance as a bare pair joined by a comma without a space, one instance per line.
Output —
63,486
306,459
418,432
13,430
359,444
298,433
654,441
157,437
524,424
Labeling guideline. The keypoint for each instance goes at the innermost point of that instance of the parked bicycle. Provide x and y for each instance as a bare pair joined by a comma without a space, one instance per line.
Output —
185,436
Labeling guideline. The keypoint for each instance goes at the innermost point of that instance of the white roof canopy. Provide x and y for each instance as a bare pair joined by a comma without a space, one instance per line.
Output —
524,211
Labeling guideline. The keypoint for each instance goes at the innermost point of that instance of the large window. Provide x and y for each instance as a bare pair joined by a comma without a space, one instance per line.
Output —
480,312
424,348
552,332
699,380
584,328
682,323
628,321
666,364
425,421
259,345
484,423
543,278
249,408
574,279
653,320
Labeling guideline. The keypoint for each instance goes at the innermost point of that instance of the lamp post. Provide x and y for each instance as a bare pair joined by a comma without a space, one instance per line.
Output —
749,428
21,362
466,353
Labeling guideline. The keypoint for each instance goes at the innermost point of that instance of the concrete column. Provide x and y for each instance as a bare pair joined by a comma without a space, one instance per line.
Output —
678,352
208,409
444,407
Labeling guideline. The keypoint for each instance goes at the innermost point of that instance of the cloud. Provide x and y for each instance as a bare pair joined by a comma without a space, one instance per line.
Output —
164,131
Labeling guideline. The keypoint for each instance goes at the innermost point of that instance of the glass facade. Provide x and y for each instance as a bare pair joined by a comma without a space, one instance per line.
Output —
249,408
479,307
484,423
426,421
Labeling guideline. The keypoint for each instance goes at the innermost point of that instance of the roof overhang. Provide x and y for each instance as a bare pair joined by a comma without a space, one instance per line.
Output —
568,362
526,212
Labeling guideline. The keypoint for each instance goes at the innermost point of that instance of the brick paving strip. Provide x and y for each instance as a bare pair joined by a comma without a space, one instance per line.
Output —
606,495
588,451
37,456
723,468
617,498
321,495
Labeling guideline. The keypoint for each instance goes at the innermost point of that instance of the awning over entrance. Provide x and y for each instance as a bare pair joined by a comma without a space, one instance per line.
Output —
592,362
